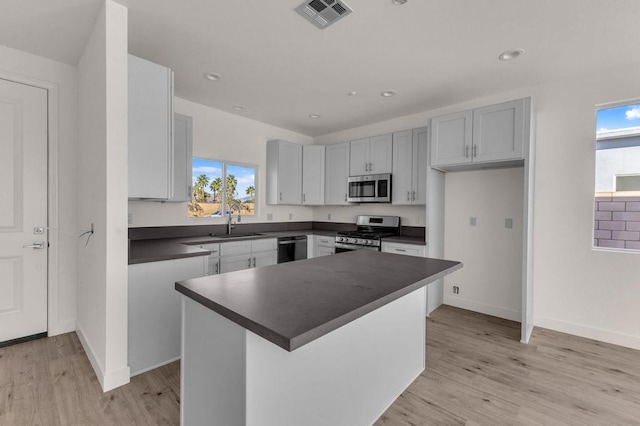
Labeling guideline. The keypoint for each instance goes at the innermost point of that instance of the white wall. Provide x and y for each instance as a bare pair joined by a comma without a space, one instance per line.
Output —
102,193
220,135
63,145
491,279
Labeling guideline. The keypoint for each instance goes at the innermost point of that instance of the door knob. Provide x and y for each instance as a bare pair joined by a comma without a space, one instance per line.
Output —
35,245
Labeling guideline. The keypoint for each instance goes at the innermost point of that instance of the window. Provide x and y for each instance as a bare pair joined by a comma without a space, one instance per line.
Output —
220,187
617,190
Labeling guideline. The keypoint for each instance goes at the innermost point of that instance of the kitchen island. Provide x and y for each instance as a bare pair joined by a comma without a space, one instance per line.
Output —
331,340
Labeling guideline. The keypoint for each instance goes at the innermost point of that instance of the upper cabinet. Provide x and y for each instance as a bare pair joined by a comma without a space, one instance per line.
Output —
182,157
337,172
284,172
483,137
371,155
150,130
313,169
410,164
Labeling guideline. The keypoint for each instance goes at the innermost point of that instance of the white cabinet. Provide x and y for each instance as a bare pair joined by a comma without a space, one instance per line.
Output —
154,311
239,255
489,136
150,150
313,169
284,172
212,262
337,172
410,167
404,249
371,155
182,158
324,246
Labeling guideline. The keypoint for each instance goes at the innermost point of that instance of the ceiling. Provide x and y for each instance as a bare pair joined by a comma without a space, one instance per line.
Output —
281,68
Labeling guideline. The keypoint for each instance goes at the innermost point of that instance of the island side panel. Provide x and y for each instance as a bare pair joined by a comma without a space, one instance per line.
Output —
213,368
347,377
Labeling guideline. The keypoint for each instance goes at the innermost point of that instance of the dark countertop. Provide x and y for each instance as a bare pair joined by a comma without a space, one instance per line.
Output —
154,250
292,304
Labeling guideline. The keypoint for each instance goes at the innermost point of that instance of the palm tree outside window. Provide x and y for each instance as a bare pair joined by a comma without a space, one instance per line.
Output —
220,187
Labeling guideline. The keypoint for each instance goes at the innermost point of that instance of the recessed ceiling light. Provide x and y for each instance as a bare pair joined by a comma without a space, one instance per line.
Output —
212,76
388,93
314,116
238,107
398,2
352,93
510,54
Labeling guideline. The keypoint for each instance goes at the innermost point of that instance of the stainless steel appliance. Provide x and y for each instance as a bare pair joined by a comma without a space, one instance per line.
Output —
292,248
368,234
369,188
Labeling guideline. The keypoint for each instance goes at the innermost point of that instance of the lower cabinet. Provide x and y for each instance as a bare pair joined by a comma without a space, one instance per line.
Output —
405,249
324,246
239,255
154,311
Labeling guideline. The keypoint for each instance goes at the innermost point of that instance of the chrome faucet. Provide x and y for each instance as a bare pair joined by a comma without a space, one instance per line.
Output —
229,222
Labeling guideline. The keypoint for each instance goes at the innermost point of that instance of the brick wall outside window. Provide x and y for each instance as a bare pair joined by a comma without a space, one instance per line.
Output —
617,220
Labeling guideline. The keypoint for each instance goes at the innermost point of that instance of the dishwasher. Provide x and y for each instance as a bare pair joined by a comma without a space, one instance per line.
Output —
292,248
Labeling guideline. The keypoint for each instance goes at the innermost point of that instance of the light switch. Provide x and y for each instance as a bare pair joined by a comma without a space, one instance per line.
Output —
508,223
472,221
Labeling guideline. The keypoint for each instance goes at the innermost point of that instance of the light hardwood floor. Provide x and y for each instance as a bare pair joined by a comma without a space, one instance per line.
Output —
477,374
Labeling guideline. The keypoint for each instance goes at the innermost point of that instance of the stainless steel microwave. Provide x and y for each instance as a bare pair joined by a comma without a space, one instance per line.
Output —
370,188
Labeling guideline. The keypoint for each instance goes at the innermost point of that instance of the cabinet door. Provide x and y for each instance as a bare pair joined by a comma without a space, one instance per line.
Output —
182,158
235,263
337,172
324,251
150,145
420,165
264,258
498,132
359,157
154,311
313,174
451,139
402,192
290,173
380,154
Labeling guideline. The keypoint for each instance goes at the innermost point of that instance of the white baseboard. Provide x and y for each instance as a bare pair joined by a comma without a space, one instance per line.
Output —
482,308
107,381
599,334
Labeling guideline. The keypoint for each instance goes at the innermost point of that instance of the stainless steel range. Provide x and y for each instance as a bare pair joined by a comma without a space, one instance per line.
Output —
368,234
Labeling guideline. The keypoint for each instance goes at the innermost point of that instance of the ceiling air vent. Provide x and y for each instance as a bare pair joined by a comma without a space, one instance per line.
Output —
323,13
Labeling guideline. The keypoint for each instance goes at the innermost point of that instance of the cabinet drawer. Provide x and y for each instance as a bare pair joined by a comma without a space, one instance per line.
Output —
323,241
236,247
404,249
264,245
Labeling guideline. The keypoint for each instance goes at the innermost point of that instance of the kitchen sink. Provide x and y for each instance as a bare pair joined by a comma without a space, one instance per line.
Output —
239,234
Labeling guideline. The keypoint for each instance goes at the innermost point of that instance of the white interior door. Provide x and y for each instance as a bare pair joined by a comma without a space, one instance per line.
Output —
23,210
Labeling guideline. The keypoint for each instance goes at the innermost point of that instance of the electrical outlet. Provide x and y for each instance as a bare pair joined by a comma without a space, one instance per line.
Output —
328,216
473,221
456,289
508,223
130,218
290,216
269,216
